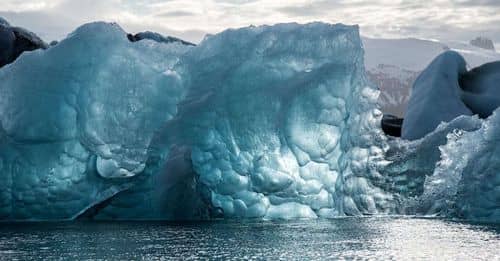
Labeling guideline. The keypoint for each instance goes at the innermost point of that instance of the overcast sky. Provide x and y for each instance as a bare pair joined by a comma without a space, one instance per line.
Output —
191,19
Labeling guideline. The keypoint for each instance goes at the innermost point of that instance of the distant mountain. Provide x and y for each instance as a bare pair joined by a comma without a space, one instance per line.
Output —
484,43
394,64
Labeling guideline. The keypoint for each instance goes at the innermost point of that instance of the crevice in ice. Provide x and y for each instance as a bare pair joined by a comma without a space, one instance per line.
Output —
102,201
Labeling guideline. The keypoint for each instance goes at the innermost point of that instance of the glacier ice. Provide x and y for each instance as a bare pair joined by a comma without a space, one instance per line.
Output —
446,90
273,122
290,128
270,122
480,89
455,169
449,170
79,114
435,96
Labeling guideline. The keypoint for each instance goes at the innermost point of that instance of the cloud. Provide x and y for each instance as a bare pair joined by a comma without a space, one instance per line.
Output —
478,2
176,14
190,19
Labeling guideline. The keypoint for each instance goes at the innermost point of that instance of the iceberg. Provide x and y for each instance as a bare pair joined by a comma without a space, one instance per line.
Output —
281,119
480,89
436,96
449,168
155,37
268,122
79,115
452,172
446,90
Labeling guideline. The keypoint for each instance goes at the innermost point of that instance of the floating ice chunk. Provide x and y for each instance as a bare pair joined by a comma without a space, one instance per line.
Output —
290,211
466,180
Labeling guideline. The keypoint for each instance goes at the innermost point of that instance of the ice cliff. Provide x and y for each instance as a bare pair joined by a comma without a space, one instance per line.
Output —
286,125
77,116
270,122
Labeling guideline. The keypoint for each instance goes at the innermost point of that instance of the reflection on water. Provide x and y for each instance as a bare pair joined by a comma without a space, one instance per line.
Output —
376,238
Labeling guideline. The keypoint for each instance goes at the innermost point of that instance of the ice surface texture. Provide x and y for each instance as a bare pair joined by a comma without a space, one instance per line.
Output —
78,115
435,96
273,122
451,168
446,90
451,172
260,122
281,122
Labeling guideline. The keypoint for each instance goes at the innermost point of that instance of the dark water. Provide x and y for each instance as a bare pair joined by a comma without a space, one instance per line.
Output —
349,238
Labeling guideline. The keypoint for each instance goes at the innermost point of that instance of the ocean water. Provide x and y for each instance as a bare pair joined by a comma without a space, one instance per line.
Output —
378,238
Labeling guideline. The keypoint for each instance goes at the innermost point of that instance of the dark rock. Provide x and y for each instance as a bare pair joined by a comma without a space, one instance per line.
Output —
156,37
7,41
391,125
15,40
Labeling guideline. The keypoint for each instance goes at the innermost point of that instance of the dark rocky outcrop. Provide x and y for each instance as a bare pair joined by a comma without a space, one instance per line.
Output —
15,40
391,125
156,37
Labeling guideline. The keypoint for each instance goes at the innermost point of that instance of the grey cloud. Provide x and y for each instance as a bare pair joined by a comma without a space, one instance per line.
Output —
478,2
175,14
448,20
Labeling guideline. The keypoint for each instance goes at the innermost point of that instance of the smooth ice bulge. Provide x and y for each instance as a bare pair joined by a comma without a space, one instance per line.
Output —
80,114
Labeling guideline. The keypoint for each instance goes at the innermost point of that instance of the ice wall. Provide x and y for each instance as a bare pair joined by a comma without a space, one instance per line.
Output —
77,119
465,181
259,122
273,122
282,124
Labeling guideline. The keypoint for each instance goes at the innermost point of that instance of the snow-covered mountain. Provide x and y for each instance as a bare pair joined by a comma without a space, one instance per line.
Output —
394,64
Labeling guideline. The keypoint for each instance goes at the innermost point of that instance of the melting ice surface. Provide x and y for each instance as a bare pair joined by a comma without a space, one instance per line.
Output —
260,122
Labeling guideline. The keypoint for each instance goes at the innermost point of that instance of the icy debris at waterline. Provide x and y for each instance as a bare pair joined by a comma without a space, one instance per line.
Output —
452,172
276,122
435,96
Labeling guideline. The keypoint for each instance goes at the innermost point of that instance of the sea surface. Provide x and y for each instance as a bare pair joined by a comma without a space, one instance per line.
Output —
376,238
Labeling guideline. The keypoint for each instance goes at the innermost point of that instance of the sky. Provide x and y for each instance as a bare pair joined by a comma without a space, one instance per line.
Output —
460,20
